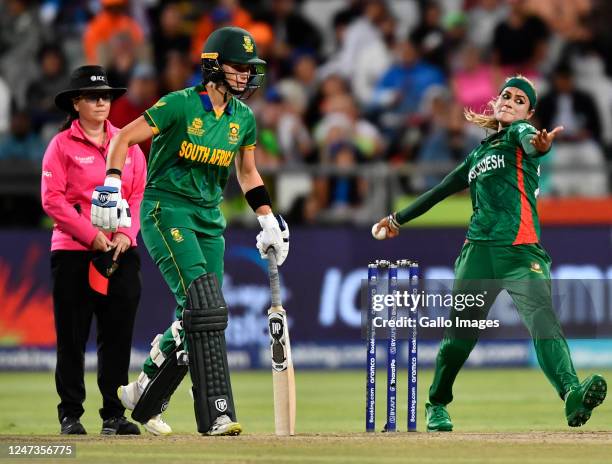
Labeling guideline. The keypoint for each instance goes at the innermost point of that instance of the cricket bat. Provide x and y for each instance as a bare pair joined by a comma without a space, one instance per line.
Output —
283,377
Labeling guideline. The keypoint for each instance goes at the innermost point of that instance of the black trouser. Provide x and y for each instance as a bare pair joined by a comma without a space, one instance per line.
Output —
74,304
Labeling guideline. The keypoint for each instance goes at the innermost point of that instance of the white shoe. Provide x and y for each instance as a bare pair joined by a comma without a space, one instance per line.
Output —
157,426
130,394
223,425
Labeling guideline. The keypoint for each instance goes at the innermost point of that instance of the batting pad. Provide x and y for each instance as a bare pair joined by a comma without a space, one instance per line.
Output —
205,320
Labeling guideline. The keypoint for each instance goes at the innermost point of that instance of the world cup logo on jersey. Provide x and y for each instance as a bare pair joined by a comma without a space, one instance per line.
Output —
196,127
234,130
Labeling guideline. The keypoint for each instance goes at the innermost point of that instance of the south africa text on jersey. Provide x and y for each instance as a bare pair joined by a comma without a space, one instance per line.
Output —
202,154
486,164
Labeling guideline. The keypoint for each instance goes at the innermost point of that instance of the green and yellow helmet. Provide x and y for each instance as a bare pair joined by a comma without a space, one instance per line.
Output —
232,45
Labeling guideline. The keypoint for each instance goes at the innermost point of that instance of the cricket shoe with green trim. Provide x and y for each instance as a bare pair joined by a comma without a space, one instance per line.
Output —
583,398
438,419
223,425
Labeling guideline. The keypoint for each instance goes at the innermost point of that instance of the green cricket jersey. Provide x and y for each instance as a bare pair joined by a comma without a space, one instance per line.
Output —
502,174
193,148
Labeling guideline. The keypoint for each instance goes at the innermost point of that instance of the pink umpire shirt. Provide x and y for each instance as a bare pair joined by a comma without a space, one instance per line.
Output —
73,166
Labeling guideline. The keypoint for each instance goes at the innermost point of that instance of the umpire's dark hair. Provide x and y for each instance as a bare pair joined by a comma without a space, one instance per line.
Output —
66,123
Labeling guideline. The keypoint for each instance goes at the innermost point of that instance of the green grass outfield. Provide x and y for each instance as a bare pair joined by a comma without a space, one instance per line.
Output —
500,416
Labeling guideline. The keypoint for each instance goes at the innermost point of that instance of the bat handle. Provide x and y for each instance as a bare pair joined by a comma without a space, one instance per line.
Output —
274,279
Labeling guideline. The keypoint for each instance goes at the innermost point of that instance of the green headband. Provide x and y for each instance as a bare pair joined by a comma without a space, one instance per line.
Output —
525,87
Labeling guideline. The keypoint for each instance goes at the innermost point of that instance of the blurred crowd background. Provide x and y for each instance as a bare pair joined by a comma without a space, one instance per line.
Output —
363,101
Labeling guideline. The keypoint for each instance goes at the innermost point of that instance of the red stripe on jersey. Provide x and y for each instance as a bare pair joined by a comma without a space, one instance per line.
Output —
526,232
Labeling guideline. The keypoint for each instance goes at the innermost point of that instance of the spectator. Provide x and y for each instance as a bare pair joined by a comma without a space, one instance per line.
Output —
341,194
398,95
227,13
482,21
171,36
283,135
358,35
578,162
21,143
20,39
342,123
177,72
122,57
520,42
447,139
333,84
41,93
141,95
474,81
111,21
291,31
428,36
73,165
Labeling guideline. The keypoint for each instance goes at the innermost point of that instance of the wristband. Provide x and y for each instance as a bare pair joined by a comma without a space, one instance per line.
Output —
258,196
393,222
113,171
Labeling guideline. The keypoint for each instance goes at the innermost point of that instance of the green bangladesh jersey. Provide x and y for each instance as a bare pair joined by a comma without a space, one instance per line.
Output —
502,174
193,148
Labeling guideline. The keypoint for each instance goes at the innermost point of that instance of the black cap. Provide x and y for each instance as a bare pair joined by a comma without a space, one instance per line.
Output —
86,79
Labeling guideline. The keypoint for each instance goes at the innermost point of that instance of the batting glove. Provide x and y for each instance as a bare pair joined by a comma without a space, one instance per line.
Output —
108,210
275,235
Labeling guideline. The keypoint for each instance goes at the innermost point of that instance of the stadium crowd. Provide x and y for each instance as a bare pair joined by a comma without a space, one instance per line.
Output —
349,83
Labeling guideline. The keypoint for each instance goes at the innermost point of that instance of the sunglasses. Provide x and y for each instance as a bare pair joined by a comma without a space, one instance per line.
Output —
94,97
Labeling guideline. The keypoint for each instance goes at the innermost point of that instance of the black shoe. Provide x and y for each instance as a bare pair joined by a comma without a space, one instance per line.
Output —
119,426
72,426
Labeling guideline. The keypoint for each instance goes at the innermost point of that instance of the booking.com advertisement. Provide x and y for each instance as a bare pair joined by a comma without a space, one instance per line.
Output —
324,290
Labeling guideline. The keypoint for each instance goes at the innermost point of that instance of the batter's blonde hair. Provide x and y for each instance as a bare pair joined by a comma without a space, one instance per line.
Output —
486,119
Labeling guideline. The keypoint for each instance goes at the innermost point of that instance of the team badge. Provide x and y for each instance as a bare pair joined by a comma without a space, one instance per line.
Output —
248,44
176,235
535,267
159,104
234,132
196,127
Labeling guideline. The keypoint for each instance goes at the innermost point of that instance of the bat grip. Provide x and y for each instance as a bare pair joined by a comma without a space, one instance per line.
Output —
274,279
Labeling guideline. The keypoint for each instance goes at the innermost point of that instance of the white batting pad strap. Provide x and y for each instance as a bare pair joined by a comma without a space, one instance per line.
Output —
143,381
156,354
175,328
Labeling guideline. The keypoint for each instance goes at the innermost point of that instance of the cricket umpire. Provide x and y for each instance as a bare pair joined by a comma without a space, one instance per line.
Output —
93,273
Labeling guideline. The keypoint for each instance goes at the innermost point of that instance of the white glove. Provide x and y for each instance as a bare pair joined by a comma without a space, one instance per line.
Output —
108,210
275,234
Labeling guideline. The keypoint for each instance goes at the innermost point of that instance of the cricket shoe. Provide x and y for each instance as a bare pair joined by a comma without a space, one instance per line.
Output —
157,426
583,398
130,394
437,418
223,425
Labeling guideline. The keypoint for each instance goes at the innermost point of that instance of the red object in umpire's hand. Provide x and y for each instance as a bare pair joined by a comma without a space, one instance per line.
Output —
101,267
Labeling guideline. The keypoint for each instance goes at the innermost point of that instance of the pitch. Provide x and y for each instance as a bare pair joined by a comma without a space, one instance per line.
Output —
499,415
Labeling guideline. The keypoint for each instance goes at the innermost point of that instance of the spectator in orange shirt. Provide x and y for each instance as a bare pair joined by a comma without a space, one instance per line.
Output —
227,13
111,21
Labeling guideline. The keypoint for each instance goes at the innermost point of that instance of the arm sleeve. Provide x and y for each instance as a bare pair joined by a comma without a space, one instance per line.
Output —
165,112
136,193
454,182
53,193
250,137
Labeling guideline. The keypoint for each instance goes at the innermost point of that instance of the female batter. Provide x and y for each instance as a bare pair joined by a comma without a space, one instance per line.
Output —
197,134
503,250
